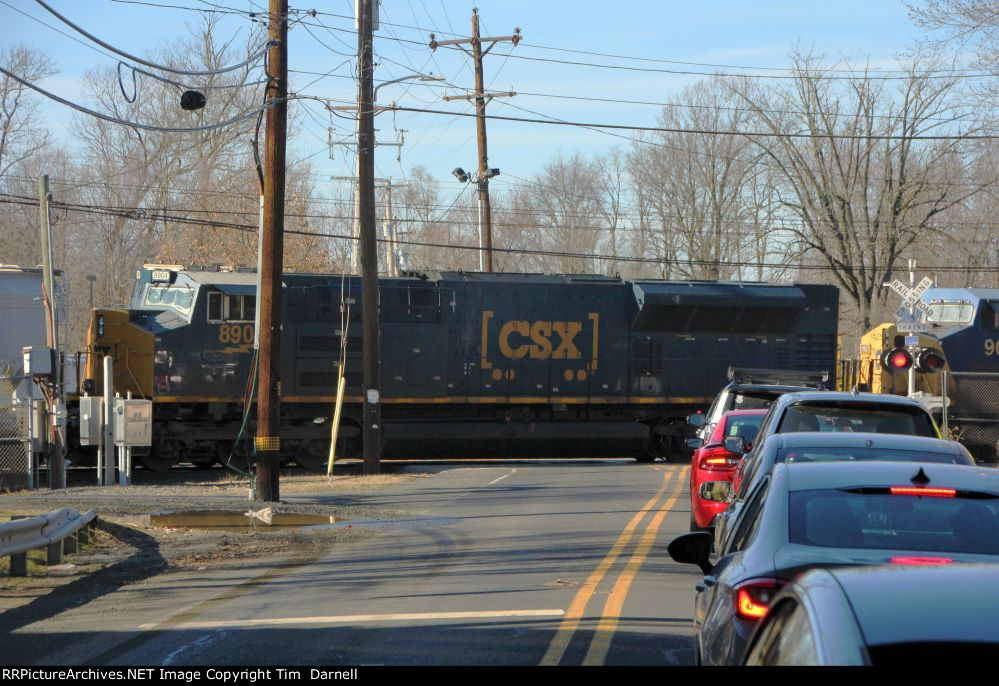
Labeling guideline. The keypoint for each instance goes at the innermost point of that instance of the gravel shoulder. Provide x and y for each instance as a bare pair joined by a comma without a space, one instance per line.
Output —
126,549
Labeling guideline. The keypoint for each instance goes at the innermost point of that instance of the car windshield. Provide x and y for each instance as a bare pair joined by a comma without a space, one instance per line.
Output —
858,454
870,418
876,519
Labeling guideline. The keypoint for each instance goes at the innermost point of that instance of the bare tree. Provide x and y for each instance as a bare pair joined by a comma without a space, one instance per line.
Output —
198,191
856,183
561,214
21,133
696,184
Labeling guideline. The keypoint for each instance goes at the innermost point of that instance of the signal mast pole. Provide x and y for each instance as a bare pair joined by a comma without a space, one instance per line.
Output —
267,444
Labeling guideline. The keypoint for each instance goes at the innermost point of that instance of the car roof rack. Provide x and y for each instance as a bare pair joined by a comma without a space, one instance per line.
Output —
778,376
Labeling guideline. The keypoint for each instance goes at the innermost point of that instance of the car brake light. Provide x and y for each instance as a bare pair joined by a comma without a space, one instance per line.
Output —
718,458
752,598
921,560
928,492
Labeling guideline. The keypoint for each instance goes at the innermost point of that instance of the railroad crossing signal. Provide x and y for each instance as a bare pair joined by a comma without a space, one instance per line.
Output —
929,360
896,359
910,315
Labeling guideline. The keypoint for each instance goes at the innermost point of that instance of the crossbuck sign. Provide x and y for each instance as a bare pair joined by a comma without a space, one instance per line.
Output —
910,316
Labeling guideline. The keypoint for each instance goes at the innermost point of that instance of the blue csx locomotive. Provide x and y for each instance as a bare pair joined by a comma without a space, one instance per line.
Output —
472,364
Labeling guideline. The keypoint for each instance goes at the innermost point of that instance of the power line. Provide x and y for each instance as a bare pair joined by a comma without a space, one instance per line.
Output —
137,125
777,224
856,72
218,9
948,73
158,214
526,251
712,132
185,72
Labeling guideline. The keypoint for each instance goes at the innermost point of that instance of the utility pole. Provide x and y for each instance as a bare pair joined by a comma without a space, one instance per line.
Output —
357,125
268,440
372,431
481,98
57,465
389,231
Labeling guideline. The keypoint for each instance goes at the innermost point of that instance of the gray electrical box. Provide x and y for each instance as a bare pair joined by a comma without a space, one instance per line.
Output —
133,422
37,361
90,420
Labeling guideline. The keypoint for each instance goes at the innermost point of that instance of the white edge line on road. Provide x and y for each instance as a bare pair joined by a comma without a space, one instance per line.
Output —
359,619
498,480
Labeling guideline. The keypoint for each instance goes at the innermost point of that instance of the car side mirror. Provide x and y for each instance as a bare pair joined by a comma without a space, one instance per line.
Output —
695,419
736,444
693,548
695,443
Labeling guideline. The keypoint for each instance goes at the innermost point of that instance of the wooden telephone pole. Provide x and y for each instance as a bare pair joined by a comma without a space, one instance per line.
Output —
481,98
268,442
371,434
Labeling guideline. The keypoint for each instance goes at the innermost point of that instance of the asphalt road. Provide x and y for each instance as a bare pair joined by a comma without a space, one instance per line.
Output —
507,564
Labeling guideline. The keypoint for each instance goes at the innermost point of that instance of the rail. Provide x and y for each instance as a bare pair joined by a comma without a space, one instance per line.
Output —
59,532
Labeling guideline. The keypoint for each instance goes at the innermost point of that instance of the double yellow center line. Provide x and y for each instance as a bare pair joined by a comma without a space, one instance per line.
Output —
611,614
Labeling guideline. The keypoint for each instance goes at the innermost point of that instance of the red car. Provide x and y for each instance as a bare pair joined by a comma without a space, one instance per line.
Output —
713,466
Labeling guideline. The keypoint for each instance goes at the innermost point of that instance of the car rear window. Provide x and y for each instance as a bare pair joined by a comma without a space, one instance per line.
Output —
752,401
876,519
860,418
862,454
746,426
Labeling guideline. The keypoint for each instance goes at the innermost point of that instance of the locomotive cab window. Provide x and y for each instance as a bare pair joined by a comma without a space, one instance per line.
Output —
990,314
177,298
223,307
951,312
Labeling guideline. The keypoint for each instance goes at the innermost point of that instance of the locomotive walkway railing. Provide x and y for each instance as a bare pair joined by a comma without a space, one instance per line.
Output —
60,532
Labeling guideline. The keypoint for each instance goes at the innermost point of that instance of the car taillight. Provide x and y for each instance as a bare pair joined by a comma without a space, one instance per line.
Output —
921,560
927,492
752,598
718,458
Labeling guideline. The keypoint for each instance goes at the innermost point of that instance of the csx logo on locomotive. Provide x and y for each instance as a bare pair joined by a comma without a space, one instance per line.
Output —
542,340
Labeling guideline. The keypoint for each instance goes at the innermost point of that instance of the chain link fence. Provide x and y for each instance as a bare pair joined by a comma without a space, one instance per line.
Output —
15,438
971,412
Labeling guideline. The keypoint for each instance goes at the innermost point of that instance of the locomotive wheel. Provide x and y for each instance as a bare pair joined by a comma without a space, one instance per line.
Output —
313,463
163,456
156,463
314,456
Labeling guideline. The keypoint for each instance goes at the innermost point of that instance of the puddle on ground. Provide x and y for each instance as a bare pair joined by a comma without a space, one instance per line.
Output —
215,519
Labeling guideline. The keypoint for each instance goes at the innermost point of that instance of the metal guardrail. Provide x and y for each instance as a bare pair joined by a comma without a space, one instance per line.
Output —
59,532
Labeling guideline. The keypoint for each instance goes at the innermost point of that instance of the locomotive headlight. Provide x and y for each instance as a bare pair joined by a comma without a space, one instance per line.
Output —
100,326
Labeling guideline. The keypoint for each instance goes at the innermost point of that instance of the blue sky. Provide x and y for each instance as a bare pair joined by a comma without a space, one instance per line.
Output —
742,34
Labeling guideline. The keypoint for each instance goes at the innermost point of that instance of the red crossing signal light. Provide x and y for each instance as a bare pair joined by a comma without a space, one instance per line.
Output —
896,359
929,360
